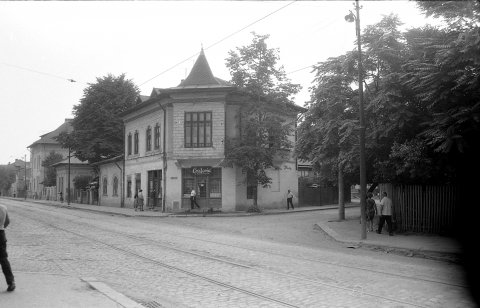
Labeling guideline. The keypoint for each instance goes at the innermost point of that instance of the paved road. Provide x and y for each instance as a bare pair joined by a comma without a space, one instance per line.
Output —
224,262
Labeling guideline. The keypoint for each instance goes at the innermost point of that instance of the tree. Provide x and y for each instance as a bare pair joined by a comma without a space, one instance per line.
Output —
97,129
50,178
7,177
398,149
328,131
81,181
264,127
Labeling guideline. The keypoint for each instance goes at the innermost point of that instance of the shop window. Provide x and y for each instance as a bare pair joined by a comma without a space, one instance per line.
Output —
215,188
198,129
206,181
188,185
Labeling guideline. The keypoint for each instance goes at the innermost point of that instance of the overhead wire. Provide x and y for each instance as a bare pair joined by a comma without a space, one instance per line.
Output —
38,72
219,41
320,27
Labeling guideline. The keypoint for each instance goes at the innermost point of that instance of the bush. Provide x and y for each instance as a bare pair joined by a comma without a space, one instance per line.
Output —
254,209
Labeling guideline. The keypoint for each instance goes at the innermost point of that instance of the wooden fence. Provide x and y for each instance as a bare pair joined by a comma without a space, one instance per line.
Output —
315,196
424,208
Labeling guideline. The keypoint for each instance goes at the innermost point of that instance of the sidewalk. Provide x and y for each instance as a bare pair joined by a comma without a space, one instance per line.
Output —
346,232
42,290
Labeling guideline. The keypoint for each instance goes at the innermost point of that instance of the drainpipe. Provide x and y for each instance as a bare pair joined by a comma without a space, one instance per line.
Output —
122,171
164,157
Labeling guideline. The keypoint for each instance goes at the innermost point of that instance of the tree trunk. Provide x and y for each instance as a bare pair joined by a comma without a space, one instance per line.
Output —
341,194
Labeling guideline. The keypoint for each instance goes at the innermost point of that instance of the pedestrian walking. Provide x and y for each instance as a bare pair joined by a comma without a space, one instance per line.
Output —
135,201
61,196
140,200
193,199
386,205
290,200
370,212
6,268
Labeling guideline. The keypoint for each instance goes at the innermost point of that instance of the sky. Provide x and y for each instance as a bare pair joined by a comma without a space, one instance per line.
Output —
44,44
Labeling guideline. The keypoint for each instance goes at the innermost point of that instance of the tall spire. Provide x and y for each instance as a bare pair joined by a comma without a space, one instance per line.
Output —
201,74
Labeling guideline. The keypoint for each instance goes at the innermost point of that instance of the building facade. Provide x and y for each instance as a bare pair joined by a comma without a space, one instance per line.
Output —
110,182
39,151
70,170
23,172
175,142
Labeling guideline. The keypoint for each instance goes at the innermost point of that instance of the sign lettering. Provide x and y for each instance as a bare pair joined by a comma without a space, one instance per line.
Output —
202,170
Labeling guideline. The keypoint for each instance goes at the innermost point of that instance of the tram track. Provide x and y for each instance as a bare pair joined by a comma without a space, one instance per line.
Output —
142,240
343,266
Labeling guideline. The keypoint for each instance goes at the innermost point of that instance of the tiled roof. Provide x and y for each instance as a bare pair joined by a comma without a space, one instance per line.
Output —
73,161
48,138
201,75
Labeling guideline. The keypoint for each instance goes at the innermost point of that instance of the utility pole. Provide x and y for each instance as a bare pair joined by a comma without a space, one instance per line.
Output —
363,174
68,193
25,182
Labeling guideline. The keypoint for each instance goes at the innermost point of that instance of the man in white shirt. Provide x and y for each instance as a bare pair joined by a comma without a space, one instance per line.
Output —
7,270
386,214
193,199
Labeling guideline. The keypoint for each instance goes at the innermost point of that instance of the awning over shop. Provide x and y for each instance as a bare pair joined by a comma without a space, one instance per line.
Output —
199,162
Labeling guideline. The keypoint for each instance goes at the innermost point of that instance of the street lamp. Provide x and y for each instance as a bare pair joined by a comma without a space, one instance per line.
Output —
363,175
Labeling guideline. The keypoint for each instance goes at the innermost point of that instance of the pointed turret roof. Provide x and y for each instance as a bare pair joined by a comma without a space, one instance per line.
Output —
201,75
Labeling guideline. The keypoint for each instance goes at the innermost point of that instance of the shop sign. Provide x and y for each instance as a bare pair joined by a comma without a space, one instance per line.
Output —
201,170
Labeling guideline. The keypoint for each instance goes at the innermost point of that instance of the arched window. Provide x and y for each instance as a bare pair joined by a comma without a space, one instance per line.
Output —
149,139
135,143
104,186
129,144
115,186
157,137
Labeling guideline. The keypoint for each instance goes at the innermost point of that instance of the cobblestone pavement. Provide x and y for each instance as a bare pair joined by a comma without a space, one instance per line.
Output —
161,263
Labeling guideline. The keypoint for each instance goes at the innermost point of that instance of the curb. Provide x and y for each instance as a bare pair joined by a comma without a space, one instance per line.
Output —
409,252
117,297
191,214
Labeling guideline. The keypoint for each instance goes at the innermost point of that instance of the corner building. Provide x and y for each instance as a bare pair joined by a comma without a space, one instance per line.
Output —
174,142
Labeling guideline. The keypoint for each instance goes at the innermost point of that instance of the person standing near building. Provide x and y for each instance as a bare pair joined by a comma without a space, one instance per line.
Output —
386,214
193,199
290,200
135,201
140,200
370,212
7,270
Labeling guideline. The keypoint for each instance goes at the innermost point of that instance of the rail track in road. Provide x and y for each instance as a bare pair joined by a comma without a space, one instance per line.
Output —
138,240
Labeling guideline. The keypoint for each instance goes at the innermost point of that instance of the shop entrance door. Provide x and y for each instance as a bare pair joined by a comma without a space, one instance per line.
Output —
202,196
154,189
